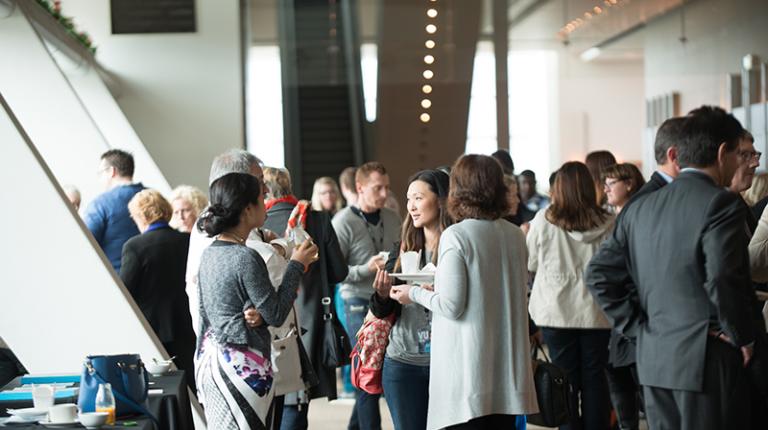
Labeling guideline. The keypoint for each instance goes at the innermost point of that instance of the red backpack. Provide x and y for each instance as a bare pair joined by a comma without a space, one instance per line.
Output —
368,354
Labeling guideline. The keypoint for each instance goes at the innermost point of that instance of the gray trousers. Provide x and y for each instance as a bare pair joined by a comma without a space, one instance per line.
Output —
724,402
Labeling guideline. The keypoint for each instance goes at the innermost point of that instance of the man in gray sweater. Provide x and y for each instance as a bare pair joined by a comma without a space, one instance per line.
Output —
364,232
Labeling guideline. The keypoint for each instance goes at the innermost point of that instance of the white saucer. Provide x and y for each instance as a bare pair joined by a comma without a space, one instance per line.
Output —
28,414
46,423
414,277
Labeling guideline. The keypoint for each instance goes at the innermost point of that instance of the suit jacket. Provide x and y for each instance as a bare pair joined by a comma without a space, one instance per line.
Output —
683,249
622,348
655,183
153,267
330,269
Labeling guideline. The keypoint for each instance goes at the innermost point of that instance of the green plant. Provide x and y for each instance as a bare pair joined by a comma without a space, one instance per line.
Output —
55,10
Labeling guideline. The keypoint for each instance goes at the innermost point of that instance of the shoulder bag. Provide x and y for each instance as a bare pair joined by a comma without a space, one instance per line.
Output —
128,378
553,391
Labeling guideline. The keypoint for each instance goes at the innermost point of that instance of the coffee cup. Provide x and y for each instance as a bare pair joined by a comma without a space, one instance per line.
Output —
42,396
64,413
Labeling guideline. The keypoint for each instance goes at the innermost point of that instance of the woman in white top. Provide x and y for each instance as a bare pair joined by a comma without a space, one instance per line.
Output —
561,241
480,367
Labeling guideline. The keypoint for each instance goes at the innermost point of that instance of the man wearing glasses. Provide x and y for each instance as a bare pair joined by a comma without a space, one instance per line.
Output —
749,160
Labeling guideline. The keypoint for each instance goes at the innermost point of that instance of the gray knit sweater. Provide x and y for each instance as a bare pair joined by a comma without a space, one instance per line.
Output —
233,277
359,241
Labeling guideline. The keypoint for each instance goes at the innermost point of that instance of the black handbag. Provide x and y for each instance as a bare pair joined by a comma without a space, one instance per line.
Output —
336,345
553,391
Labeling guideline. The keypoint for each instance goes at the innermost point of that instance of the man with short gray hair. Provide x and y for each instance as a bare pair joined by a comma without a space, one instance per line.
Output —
235,161
231,161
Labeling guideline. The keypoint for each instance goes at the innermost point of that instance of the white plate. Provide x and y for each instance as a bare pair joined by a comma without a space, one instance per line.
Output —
414,277
46,423
28,414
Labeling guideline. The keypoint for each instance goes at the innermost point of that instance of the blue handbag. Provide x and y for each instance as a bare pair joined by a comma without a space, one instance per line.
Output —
128,378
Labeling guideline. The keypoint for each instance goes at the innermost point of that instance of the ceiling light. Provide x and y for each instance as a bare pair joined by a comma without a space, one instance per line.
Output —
597,10
429,44
431,13
590,54
428,74
426,103
426,89
428,59
424,117
431,28
587,15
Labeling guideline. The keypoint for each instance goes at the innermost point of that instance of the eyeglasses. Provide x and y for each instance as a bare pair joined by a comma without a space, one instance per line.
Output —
611,182
750,155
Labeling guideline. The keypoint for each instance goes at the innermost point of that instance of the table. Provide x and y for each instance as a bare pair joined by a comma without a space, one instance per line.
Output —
171,408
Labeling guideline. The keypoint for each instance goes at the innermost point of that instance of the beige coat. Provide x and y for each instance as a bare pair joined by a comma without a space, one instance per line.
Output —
559,297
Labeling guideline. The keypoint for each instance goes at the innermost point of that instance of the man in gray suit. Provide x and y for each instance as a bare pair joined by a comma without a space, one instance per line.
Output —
684,249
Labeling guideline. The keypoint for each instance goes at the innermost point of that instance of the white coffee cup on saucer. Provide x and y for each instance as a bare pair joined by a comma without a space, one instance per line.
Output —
64,413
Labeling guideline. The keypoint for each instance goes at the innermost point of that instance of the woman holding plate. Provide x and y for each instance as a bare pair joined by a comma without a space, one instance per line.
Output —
480,350
405,377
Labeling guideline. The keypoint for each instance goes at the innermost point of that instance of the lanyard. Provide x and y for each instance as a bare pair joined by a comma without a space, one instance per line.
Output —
372,232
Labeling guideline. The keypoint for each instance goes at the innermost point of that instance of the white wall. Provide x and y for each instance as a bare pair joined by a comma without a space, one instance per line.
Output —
719,33
181,92
601,107
112,124
48,107
61,298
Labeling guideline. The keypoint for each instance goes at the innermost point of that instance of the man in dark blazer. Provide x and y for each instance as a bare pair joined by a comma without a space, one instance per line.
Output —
622,373
683,249
153,267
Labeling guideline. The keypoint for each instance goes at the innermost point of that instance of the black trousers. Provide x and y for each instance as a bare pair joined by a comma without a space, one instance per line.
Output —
724,402
624,389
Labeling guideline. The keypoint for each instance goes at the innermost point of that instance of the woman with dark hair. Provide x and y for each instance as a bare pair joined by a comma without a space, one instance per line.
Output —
621,182
597,162
561,241
233,368
406,364
479,325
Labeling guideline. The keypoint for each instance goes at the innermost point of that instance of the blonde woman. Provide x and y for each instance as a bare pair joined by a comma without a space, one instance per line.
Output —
326,195
187,203
153,267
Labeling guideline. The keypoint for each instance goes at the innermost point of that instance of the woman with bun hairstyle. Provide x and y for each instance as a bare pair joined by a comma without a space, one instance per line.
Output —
233,368
405,375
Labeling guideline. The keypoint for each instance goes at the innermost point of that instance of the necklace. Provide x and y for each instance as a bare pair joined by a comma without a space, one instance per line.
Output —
237,238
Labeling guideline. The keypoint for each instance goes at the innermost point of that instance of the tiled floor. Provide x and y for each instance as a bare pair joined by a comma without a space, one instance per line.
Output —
324,415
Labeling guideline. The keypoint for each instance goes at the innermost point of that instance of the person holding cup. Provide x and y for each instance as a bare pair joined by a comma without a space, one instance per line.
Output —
479,323
233,367
405,375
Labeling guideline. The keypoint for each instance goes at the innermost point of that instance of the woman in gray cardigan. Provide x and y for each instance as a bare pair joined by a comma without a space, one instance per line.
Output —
233,368
480,368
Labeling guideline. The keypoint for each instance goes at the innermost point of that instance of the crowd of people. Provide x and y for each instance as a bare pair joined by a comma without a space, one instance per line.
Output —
643,292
